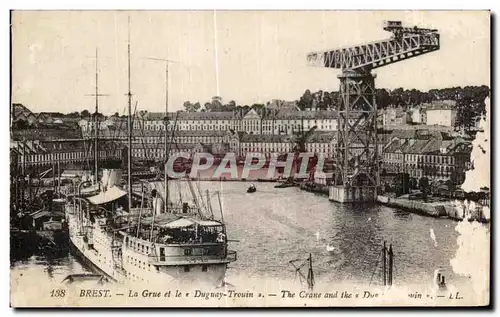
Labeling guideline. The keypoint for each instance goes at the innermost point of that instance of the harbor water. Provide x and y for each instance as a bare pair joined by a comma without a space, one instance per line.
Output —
273,226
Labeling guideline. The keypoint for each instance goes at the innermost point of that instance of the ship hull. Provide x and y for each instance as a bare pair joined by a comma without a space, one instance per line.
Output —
135,267
86,262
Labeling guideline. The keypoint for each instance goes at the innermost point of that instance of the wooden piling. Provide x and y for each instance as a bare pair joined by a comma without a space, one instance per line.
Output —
391,263
384,269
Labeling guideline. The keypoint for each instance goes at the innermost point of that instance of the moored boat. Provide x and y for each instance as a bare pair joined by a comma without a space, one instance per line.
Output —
251,189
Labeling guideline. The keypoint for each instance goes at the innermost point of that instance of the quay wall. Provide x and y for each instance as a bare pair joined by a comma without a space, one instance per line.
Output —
447,210
412,205
316,188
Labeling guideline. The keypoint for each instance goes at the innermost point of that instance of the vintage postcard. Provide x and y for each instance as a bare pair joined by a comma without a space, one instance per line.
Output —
250,158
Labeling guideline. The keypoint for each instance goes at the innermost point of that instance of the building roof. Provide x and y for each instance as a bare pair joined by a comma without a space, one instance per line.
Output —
440,105
425,146
184,115
21,111
219,115
418,146
289,111
160,147
306,115
321,137
122,133
265,138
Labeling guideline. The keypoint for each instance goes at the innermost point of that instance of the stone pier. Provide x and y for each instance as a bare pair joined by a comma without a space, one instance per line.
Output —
343,194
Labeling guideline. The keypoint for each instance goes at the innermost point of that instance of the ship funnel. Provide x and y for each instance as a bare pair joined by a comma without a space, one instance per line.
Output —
110,178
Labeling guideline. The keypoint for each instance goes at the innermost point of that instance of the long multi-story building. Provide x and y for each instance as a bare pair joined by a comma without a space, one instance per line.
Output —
429,155
35,154
252,121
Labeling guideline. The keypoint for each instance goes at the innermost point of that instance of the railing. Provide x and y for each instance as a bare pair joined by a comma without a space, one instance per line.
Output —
230,256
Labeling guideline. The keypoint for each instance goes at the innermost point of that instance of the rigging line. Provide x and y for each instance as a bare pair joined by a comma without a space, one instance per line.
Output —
374,270
167,154
393,269
111,137
142,139
180,192
156,148
117,133
84,148
198,186
132,119
168,149
87,151
172,136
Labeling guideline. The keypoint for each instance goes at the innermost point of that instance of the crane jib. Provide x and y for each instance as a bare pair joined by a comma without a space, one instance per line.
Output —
405,43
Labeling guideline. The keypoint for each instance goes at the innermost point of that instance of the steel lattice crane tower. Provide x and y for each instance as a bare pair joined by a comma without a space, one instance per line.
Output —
357,163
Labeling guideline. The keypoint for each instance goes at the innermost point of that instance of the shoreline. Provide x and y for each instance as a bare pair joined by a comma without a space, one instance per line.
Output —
435,210
439,210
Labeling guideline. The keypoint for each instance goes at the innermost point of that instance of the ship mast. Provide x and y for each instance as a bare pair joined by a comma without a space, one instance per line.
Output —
129,127
166,135
96,120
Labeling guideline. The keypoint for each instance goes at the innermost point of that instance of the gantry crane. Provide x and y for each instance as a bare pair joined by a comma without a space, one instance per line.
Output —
357,167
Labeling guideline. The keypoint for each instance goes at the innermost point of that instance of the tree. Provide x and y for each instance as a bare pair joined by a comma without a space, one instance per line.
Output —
216,102
396,97
190,107
424,185
413,183
334,98
116,114
208,106
327,101
257,106
74,114
306,100
382,98
21,124
196,106
98,115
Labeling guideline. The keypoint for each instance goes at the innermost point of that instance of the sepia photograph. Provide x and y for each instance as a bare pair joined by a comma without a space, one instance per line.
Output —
230,158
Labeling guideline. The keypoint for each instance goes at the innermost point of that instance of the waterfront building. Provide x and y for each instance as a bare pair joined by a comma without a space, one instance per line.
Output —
266,145
292,121
272,120
428,155
35,153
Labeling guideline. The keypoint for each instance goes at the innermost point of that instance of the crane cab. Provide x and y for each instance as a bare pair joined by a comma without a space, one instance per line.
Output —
392,25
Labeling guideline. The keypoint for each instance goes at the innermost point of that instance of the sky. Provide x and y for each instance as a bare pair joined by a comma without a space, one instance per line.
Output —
246,56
